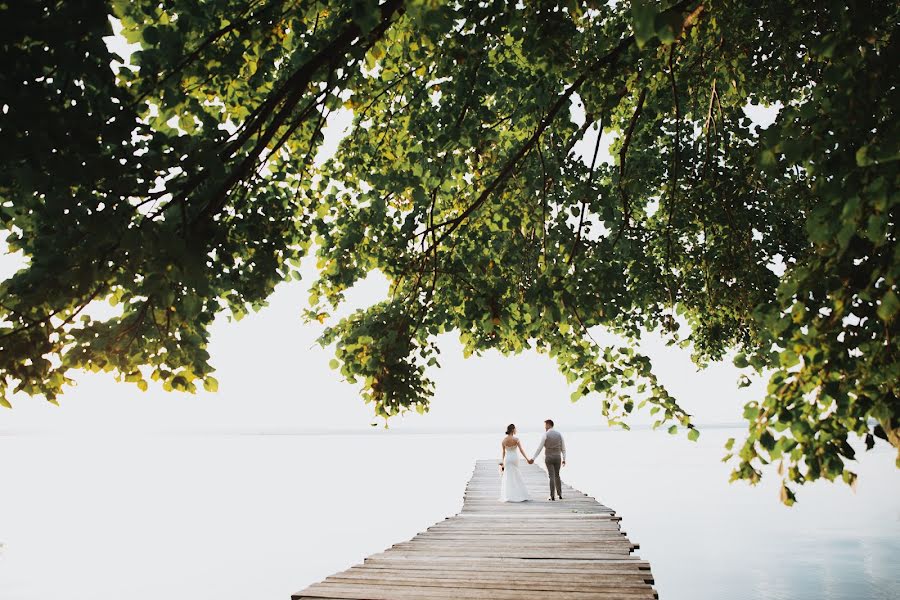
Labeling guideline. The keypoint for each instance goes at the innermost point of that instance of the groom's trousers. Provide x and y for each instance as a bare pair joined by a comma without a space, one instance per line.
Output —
553,465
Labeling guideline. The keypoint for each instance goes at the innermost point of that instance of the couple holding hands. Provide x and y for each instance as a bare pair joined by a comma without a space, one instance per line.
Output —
512,485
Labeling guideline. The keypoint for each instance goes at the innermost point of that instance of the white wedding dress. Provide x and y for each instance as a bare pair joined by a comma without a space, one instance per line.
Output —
512,485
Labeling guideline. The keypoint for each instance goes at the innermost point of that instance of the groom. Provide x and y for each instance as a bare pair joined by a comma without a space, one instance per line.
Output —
554,457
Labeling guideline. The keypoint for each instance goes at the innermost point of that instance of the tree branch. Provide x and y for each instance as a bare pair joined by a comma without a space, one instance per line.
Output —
545,122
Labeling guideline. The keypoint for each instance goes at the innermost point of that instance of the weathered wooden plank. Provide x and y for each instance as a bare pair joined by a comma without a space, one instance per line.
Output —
571,549
477,580
547,585
475,573
447,562
397,592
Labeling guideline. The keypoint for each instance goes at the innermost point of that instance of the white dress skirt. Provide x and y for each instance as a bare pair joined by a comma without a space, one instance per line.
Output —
512,485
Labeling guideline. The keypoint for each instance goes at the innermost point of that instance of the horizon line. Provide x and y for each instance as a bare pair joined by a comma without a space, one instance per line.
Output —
268,430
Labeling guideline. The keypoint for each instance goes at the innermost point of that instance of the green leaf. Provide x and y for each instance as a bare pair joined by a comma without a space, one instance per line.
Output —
825,45
211,384
187,123
786,495
150,36
889,305
694,435
767,159
862,157
850,479
877,228
643,14
667,26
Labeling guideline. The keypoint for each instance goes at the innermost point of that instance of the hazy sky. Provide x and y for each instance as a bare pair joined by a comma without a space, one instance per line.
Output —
272,375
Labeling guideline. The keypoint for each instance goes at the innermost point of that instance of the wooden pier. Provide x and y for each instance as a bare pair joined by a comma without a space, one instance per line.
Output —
569,549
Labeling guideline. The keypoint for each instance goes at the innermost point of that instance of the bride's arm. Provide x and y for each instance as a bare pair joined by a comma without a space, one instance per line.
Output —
521,449
503,453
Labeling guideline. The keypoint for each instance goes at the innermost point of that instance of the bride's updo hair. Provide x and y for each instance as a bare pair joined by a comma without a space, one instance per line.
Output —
510,429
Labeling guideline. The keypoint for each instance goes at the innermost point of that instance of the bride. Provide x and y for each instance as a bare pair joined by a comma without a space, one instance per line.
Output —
512,486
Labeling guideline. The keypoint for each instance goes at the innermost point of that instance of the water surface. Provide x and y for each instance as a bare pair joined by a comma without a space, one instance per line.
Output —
231,517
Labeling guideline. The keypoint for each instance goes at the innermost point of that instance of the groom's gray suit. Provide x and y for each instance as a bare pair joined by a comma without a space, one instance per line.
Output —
554,455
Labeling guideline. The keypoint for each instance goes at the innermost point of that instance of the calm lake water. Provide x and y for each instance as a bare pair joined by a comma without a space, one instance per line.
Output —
231,517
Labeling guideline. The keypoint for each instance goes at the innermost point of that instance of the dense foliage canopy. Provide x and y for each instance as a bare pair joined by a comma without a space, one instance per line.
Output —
186,185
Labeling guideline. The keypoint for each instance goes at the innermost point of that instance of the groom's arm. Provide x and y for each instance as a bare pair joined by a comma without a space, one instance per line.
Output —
539,447
562,442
